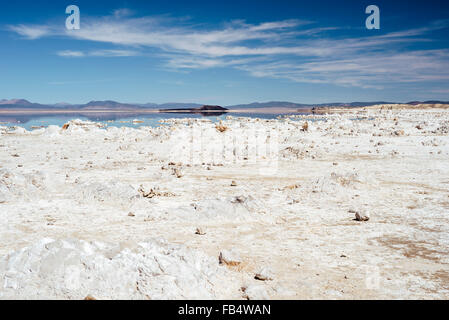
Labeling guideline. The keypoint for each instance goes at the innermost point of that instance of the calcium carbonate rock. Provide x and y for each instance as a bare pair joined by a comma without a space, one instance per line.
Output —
360,215
199,231
109,192
52,131
229,257
219,209
255,292
19,131
264,274
74,269
3,197
17,185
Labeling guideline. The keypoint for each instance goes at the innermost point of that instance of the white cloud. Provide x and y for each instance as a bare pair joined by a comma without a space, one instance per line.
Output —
366,71
215,43
113,53
97,53
123,12
31,32
71,54
289,49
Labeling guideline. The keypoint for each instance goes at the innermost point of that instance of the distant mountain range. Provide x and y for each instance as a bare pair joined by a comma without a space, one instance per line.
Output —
92,105
114,105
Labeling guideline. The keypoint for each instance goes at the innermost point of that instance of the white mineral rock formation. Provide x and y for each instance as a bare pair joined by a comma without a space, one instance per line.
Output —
264,274
73,269
229,257
288,209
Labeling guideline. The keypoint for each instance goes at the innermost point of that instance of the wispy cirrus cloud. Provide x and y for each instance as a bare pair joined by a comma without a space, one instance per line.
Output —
291,49
148,32
71,54
63,83
31,32
368,71
123,12
97,53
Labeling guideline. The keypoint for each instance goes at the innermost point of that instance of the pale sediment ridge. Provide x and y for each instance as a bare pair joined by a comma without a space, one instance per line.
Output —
396,106
194,209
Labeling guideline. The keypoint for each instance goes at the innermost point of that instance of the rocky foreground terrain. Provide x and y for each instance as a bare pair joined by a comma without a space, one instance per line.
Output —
352,205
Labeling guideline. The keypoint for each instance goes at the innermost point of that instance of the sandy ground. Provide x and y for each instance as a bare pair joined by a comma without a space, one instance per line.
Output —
114,212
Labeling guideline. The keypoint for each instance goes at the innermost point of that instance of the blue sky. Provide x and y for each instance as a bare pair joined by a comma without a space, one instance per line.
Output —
224,52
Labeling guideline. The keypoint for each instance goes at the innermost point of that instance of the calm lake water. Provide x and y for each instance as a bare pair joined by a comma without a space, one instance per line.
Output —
34,121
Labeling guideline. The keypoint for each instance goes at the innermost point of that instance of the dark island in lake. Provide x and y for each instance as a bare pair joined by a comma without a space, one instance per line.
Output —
205,110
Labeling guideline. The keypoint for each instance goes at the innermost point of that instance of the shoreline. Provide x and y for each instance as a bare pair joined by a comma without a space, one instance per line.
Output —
143,111
268,110
398,106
